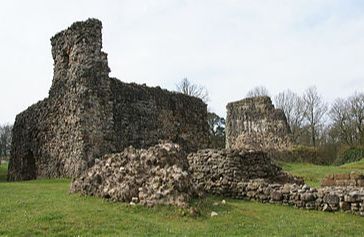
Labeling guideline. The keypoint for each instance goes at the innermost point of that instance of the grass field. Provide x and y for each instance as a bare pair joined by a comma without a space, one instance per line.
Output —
45,208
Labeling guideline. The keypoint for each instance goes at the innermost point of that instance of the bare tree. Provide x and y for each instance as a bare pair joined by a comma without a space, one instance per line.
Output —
347,117
357,112
341,127
5,139
315,109
191,89
258,91
292,106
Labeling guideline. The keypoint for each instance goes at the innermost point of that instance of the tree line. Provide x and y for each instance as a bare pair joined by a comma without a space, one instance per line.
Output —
315,122
335,129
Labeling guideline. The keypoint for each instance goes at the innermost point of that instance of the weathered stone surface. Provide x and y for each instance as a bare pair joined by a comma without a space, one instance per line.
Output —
276,196
222,171
352,179
254,123
331,199
158,175
88,114
308,197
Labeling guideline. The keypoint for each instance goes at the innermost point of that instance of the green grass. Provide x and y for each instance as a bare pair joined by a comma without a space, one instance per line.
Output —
3,172
45,208
313,174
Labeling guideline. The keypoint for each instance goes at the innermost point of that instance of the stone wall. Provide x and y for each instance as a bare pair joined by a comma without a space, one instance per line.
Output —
254,123
353,179
88,114
145,115
221,172
347,199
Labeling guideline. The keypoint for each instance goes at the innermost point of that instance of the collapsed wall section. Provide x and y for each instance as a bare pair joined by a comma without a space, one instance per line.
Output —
222,172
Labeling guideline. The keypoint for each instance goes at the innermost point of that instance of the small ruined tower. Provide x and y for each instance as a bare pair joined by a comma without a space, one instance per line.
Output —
254,123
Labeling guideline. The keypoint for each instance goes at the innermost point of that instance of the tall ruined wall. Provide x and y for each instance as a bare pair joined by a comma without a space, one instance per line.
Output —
88,114
254,123
57,137
144,115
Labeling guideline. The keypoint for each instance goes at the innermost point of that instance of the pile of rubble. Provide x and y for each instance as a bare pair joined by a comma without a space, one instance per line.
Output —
158,175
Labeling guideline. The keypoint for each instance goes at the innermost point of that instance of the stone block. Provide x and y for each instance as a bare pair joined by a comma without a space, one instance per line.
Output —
276,196
331,199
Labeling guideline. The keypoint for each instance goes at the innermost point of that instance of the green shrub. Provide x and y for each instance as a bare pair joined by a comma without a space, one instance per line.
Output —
349,154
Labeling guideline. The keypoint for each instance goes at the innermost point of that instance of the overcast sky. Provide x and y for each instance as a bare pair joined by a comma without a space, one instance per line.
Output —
228,46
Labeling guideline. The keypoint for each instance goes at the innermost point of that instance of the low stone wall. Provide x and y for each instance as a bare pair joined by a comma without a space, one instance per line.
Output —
163,175
353,179
348,199
222,171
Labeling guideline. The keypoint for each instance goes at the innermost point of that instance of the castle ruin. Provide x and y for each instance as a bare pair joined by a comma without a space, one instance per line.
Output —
88,114
82,128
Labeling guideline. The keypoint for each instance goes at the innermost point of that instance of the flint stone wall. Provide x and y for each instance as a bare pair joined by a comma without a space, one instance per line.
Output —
222,172
88,114
347,199
254,123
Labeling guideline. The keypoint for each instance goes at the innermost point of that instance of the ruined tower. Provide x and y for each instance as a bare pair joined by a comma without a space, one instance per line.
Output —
254,123
88,114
